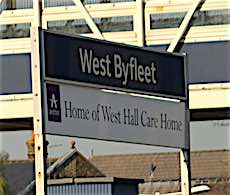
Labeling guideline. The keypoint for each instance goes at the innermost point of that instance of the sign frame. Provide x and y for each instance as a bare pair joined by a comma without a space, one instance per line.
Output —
45,79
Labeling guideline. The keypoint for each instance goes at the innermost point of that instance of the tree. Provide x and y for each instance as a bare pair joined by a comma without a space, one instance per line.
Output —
4,155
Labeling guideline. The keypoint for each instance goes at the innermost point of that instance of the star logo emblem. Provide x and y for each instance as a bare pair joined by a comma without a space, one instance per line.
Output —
53,101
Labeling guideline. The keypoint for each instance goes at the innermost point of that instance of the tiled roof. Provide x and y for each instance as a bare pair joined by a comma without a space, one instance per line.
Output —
18,174
73,164
205,164
211,164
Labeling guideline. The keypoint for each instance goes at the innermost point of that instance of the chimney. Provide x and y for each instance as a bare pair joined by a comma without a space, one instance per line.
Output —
30,149
72,144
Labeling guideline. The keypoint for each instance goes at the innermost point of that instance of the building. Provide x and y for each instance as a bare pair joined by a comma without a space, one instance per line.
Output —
161,171
94,186
69,174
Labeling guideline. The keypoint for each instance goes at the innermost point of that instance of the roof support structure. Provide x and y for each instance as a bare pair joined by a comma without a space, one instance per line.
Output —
184,25
37,112
185,153
89,19
37,115
140,23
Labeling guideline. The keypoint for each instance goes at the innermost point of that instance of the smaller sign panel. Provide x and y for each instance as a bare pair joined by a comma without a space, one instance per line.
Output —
91,113
111,65
53,102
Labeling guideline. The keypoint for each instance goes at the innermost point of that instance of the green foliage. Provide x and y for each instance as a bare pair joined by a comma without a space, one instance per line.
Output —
3,186
4,156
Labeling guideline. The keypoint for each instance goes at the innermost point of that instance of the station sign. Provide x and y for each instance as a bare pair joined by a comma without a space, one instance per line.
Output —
76,72
112,65
90,113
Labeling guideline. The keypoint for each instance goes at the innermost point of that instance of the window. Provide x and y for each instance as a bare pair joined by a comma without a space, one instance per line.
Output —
109,24
200,18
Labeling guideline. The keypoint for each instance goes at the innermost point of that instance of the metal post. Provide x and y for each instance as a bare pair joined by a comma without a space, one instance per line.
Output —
37,116
37,13
140,23
36,87
185,153
184,25
185,172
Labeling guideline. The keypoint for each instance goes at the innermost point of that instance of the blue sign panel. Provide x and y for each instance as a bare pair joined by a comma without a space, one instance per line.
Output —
113,65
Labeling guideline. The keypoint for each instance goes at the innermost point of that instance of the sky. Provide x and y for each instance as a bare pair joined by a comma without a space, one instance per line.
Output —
205,135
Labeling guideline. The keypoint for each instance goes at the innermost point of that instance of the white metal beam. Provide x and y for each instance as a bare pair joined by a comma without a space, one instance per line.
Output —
95,10
15,46
184,25
139,23
16,16
185,187
175,6
37,108
196,34
88,19
204,96
37,115
16,106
